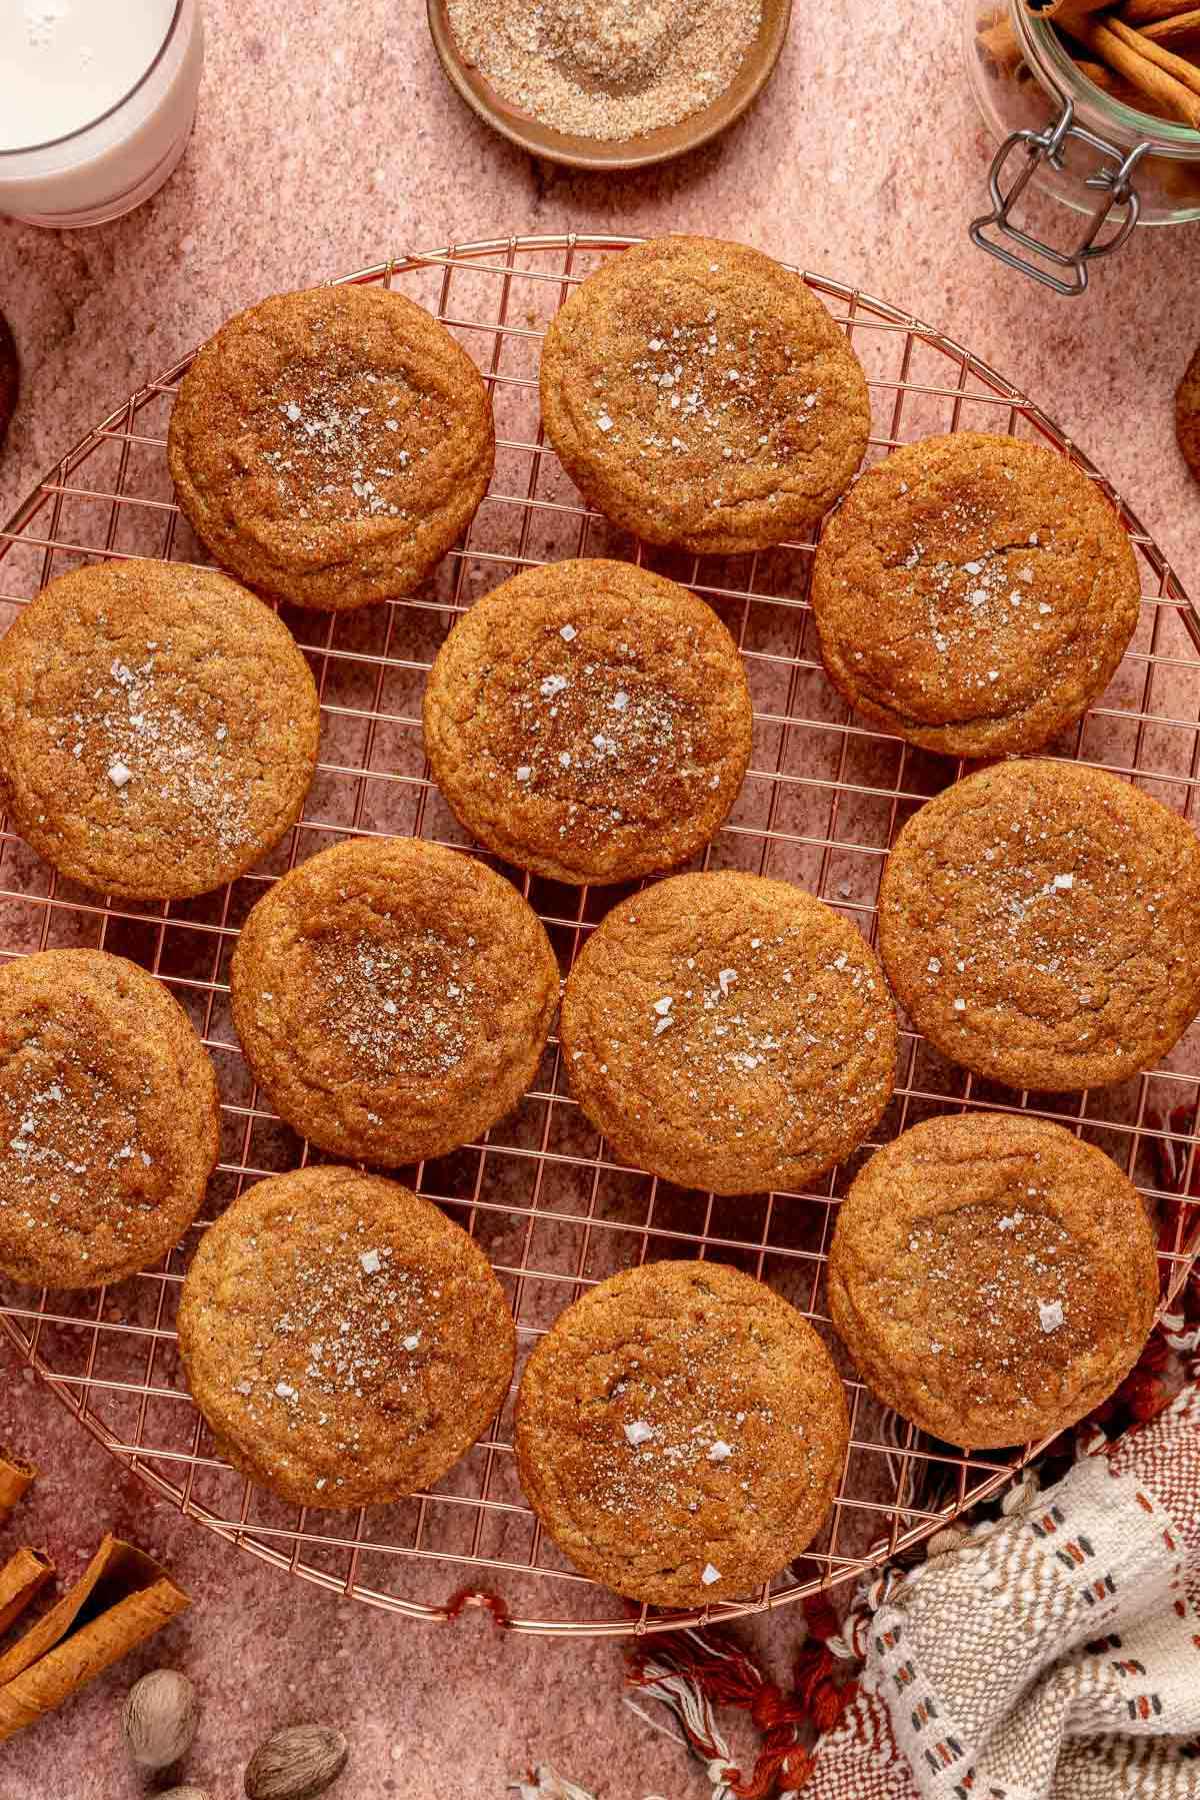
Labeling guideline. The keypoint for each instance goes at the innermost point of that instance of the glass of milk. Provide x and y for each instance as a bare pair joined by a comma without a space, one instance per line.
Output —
97,99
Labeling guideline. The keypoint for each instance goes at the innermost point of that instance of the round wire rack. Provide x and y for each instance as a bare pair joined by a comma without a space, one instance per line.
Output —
823,801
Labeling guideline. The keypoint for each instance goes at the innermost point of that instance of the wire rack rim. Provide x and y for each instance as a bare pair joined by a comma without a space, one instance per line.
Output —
495,258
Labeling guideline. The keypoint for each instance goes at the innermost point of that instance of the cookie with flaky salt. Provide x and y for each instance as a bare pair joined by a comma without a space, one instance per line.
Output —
158,728
393,997
700,395
590,721
680,1432
993,1277
329,446
1039,922
109,1120
974,594
344,1340
729,1032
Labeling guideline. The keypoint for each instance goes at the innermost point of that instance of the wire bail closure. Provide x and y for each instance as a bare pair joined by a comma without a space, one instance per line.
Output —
1112,178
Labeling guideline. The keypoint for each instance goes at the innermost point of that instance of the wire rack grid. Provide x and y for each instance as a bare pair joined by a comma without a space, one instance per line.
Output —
823,801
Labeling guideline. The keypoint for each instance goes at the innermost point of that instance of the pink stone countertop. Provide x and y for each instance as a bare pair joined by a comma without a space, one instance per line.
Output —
327,139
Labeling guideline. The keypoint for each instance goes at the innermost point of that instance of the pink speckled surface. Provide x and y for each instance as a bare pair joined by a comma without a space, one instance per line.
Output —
327,139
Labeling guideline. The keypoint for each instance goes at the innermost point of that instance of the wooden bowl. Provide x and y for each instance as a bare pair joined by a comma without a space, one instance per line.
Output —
576,152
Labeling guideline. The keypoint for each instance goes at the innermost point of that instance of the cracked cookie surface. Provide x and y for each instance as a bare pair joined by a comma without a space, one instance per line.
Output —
974,594
393,998
729,1032
109,1125
329,446
1039,922
993,1277
700,395
344,1340
589,721
158,728
680,1432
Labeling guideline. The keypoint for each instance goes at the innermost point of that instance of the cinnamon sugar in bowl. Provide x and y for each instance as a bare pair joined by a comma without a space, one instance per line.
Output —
609,84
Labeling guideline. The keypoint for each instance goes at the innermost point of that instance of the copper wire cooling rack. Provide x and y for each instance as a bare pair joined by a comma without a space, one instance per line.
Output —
824,799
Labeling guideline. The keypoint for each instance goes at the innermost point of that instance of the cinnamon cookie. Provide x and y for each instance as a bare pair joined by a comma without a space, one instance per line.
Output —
345,1342
680,1433
158,728
329,446
589,721
974,594
108,1119
699,395
393,998
729,1033
1040,923
993,1277
1187,414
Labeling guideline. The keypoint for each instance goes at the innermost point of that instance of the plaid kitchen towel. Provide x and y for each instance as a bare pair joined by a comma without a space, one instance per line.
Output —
1053,1655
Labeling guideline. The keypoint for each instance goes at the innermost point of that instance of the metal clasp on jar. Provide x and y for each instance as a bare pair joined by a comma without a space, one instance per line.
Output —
1112,180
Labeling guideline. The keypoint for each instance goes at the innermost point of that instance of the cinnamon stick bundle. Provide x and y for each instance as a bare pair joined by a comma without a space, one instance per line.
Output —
16,1477
1172,83
122,1598
22,1578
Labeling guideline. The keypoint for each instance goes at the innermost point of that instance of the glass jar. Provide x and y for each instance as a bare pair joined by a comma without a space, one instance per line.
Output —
1057,129
111,163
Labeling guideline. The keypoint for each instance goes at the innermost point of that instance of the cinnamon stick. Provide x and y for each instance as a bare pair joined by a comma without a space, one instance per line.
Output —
1061,12
1177,30
122,1598
23,1577
998,41
1101,76
1150,69
16,1477
1114,85
1178,67
1150,12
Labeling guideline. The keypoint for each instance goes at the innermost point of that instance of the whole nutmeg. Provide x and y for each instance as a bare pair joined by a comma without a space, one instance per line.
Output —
161,1714
296,1764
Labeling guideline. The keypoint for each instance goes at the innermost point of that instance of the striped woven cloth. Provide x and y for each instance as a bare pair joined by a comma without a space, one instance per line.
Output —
1053,1655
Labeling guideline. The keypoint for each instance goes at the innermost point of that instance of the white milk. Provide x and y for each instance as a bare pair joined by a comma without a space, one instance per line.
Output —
97,99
